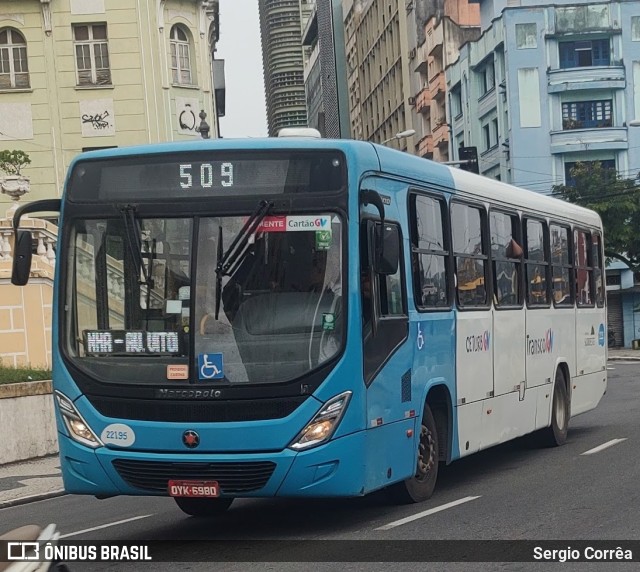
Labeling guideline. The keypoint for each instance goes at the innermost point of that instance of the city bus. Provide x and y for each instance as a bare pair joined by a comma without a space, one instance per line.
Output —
304,317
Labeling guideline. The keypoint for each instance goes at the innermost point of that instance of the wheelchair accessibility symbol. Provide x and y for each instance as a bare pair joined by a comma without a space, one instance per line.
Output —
210,366
419,338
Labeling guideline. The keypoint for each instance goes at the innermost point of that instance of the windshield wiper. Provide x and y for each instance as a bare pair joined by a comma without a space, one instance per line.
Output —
134,240
229,260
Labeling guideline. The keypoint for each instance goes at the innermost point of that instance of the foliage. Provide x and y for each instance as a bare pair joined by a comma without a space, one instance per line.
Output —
616,199
21,374
12,162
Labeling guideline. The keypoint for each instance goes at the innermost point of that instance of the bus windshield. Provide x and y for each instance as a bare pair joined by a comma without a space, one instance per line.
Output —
281,308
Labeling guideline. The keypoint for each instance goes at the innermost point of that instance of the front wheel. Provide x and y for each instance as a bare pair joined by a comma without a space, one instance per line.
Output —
420,487
203,507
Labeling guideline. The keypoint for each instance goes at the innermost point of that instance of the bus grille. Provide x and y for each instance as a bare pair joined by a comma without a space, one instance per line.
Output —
195,411
232,477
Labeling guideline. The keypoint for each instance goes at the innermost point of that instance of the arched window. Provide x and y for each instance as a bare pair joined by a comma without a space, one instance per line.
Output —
180,56
14,69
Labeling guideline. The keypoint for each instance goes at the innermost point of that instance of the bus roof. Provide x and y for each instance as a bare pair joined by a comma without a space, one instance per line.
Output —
391,161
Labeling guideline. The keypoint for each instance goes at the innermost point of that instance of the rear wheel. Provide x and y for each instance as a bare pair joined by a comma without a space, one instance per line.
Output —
420,487
203,507
556,434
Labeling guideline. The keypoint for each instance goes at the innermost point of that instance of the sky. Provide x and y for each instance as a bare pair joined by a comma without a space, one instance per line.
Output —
239,46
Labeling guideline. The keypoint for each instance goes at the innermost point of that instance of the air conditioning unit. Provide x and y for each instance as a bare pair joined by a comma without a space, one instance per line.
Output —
412,100
412,53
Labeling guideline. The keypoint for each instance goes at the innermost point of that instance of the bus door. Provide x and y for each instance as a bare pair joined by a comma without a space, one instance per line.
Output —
387,361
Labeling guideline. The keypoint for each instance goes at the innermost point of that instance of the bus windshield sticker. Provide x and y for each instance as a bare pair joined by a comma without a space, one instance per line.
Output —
174,307
178,371
295,223
118,434
328,322
210,366
121,342
323,239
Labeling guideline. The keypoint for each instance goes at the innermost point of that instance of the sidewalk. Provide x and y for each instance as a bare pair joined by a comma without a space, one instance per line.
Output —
28,481
37,479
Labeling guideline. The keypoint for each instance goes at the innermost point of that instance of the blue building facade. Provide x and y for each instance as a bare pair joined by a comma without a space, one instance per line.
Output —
546,86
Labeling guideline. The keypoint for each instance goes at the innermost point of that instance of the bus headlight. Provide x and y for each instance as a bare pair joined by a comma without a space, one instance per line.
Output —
324,424
77,427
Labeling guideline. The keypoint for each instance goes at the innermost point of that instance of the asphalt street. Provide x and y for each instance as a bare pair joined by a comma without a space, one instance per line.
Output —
586,490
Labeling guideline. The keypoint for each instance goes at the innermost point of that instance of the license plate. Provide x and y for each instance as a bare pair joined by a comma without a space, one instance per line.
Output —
194,489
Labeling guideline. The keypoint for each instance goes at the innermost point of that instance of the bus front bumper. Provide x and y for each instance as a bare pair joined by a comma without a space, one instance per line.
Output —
336,468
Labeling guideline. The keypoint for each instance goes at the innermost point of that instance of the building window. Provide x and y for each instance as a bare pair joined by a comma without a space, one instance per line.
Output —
487,79
635,28
456,102
92,54
14,70
180,56
526,36
585,53
568,166
616,279
494,125
586,114
486,136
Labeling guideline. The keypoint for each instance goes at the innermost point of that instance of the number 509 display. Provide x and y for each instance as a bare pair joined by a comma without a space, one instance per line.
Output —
207,175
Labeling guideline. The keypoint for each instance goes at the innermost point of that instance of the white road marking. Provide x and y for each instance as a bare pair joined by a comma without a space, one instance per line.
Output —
604,446
426,513
611,368
77,532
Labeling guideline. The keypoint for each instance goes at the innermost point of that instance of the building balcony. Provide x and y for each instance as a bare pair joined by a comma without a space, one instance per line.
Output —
598,77
425,146
595,139
423,101
436,86
421,60
440,134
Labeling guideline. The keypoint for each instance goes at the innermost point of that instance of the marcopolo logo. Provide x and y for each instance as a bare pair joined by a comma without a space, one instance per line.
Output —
480,343
536,346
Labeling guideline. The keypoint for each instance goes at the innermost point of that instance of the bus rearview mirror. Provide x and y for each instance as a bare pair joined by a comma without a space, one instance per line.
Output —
387,250
22,258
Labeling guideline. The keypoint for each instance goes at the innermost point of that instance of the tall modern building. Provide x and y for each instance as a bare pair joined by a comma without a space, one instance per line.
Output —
281,25
325,74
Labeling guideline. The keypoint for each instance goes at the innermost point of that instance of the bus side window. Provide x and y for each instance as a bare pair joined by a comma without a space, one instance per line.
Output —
536,263
507,258
561,266
584,269
597,269
429,252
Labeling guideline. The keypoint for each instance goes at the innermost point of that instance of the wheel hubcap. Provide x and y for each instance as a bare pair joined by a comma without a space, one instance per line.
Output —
426,454
560,414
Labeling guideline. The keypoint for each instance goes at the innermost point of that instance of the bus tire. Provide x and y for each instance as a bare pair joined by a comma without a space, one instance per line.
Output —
203,507
556,434
420,487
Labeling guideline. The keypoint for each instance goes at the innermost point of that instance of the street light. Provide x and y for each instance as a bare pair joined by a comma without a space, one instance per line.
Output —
405,134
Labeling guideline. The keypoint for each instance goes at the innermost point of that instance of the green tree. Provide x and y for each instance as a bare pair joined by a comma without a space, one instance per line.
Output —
616,199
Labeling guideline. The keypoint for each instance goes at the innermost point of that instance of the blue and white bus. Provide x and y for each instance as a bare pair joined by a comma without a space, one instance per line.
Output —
298,317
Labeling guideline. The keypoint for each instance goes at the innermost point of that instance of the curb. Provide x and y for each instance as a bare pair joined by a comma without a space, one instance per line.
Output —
623,358
32,498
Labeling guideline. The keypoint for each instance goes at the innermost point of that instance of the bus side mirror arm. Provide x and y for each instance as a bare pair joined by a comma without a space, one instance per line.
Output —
22,248
372,197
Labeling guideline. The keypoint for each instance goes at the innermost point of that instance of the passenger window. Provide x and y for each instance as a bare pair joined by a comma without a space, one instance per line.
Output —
430,253
507,258
584,270
470,255
536,263
597,269
561,266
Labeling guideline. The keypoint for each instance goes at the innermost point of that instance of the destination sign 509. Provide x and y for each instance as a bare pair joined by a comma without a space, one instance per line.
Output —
206,175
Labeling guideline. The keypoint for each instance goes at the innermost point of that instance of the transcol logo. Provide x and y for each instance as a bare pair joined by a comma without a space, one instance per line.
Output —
479,343
543,345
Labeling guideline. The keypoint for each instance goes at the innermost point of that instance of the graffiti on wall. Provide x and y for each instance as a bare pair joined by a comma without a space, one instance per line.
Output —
187,110
97,118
